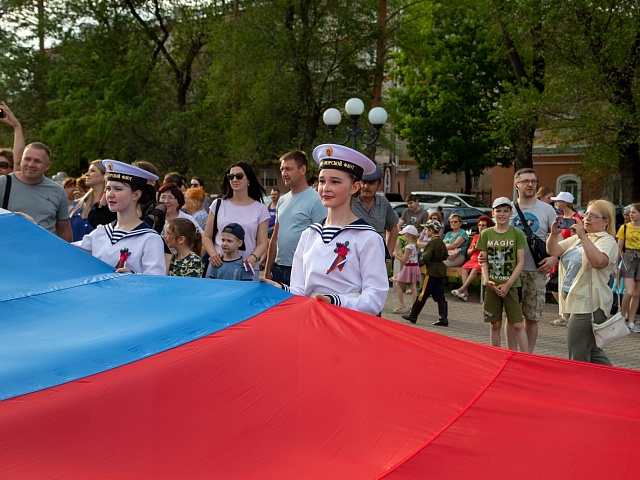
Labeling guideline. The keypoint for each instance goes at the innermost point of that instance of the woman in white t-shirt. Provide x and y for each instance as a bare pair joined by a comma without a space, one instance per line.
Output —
240,202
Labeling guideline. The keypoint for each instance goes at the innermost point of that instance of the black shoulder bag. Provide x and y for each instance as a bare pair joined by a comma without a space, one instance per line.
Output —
205,257
537,247
7,191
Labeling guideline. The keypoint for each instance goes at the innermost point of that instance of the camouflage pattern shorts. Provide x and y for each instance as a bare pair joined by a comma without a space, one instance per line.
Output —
534,286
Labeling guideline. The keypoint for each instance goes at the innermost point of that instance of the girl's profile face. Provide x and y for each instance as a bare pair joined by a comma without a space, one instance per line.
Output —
170,237
336,187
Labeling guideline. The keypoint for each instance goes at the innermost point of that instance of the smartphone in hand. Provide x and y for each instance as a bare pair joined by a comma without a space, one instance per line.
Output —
565,223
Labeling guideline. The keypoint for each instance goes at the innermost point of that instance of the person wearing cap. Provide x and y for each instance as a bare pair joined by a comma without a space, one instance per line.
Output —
30,193
153,212
342,259
295,211
433,257
504,246
376,210
129,244
564,203
233,266
539,216
410,272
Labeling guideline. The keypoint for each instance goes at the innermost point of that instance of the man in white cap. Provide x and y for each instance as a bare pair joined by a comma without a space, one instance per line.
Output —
295,211
539,216
31,193
376,210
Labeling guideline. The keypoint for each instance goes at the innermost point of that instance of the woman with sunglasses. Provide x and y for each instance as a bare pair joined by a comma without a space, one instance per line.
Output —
240,201
586,262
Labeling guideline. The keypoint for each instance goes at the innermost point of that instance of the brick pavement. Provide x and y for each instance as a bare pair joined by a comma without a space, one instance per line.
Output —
466,323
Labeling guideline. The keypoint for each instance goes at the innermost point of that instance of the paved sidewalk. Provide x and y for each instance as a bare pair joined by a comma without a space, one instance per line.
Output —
466,323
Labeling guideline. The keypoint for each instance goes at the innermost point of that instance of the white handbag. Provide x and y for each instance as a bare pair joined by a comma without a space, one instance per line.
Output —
611,329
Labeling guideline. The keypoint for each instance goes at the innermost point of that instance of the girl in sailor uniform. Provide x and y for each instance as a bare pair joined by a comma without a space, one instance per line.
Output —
341,260
129,244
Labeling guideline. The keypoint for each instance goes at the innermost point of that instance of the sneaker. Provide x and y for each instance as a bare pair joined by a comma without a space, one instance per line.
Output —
559,322
633,328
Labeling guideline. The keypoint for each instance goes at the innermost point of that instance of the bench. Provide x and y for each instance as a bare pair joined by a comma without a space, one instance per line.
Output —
454,272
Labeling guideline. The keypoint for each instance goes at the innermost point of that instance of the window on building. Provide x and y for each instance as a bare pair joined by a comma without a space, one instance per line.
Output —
572,184
269,179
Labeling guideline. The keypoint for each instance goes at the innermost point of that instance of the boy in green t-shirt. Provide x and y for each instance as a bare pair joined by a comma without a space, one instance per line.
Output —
504,246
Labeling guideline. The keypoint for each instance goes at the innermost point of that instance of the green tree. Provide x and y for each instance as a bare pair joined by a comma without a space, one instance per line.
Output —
448,90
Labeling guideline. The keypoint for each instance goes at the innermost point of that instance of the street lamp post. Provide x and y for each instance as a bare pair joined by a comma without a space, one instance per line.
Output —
354,108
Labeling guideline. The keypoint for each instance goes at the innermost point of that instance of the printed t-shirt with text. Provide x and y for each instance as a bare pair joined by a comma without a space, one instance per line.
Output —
502,249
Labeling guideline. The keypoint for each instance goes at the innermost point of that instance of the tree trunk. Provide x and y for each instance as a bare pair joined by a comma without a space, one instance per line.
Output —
629,164
378,71
524,147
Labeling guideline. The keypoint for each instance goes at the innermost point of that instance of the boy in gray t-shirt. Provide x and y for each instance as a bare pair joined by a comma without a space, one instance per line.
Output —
233,266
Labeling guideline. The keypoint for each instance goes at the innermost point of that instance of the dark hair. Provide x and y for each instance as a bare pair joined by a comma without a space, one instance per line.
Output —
148,193
175,178
522,171
256,190
149,167
173,190
297,156
312,180
276,189
488,220
183,227
67,181
412,198
5,152
200,181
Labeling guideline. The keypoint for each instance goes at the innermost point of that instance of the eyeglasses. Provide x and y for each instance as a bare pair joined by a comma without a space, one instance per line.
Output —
590,215
528,182
167,198
195,185
482,225
5,164
237,176
454,221
175,180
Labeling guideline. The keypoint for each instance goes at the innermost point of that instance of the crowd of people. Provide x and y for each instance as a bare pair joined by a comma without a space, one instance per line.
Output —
334,238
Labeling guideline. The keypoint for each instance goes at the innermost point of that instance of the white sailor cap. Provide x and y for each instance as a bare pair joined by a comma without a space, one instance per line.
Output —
123,172
343,158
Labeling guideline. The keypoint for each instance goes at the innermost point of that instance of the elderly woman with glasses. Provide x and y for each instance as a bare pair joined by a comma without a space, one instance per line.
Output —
456,241
240,202
586,262
173,199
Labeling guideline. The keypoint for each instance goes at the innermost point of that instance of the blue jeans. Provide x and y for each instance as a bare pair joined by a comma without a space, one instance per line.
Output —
281,273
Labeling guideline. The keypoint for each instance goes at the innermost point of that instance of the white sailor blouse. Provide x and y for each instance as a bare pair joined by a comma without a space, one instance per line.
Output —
141,250
347,265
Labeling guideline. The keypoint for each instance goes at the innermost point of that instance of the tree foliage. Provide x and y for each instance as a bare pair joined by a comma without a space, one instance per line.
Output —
448,89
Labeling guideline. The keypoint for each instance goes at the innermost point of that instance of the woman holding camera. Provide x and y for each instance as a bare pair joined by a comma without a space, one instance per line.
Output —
586,261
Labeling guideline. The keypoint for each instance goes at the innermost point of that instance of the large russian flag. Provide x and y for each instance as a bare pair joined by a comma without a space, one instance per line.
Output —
106,376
